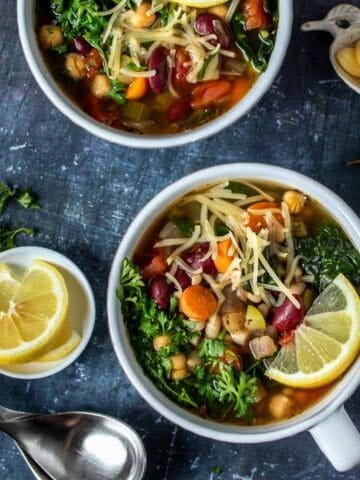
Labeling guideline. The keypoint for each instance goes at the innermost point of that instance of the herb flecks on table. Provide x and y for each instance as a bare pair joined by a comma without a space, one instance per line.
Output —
24,197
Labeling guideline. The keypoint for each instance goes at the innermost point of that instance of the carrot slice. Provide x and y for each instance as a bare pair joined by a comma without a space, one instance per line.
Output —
197,303
137,89
157,266
207,93
257,222
223,259
255,15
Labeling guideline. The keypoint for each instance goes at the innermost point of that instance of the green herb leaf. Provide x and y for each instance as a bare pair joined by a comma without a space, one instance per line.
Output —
5,194
27,198
238,390
238,187
117,92
184,225
212,348
135,68
8,237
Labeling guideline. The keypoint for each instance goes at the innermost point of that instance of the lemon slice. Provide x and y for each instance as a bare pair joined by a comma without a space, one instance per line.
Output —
32,311
326,343
62,350
201,3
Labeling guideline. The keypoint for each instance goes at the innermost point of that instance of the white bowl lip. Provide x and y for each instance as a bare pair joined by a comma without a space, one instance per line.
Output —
346,217
75,114
53,256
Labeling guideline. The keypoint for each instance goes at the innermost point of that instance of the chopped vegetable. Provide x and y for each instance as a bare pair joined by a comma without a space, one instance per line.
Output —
197,303
327,254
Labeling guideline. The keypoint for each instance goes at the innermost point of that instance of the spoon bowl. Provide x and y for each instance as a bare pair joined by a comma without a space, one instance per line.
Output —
77,445
343,22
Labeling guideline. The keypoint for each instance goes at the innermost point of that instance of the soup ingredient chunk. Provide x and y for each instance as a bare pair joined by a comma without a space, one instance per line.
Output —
198,303
33,311
327,341
50,36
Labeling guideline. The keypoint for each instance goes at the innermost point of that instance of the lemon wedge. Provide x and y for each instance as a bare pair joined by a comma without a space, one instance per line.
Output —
201,3
62,350
326,343
33,311
254,319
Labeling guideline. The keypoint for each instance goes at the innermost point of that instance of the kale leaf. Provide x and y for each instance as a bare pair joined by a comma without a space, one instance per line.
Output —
327,254
184,225
5,194
257,56
27,198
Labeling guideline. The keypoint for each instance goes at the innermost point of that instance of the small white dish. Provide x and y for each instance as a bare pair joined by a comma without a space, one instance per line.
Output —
343,22
81,307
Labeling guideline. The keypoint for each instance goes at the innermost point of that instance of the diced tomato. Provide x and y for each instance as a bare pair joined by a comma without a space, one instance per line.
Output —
94,63
181,69
231,358
257,222
157,266
255,14
286,339
95,108
208,93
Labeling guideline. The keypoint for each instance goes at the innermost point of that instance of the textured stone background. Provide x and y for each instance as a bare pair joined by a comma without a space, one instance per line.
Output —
90,191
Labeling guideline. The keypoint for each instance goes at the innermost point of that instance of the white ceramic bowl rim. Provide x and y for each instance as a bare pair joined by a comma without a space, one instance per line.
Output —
162,404
25,13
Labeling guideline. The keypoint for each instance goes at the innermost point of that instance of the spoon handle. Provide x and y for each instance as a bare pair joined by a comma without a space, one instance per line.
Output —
7,415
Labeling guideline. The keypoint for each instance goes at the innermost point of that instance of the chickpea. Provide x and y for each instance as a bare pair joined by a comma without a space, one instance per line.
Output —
161,341
178,361
281,407
193,360
294,200
179,374
50,36
220,11
100,86
213,326
75,65
297,288
139,18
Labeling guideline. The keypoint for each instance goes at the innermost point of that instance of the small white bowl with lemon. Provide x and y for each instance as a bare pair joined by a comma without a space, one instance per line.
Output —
47,312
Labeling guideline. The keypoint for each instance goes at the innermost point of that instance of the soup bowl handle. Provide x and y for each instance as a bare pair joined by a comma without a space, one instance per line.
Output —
339,440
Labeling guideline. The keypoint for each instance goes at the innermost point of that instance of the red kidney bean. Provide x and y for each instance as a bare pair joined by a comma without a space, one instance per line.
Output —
160,291
287,317
158,62
194,258
82,46
179,110
207,24
183,278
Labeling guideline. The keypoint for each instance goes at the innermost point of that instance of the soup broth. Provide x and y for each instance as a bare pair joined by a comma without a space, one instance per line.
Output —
226,282
143,69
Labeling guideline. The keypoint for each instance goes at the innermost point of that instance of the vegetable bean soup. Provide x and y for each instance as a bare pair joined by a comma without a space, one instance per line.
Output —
156,67
241,302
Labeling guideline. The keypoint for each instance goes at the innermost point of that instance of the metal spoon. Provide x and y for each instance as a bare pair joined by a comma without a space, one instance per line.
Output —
76,445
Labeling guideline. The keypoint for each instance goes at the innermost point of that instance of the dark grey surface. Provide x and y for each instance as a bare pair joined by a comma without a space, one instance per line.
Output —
91,190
